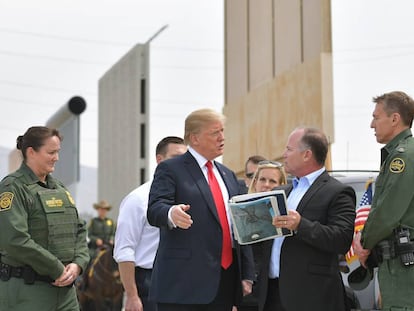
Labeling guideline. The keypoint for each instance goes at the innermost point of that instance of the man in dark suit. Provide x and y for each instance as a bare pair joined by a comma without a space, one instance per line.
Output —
301,271
198,265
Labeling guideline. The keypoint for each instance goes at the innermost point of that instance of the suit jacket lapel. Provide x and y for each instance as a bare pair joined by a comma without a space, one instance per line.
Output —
201,182
314,188
226,179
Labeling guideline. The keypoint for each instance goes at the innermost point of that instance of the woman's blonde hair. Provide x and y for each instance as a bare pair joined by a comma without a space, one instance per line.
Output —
268,164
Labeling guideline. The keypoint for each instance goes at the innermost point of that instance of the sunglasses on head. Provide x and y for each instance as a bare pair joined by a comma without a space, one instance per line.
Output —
275,163
265,162
249,175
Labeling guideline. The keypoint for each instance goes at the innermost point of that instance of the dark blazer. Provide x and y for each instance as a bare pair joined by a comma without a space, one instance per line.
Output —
187,266
309,273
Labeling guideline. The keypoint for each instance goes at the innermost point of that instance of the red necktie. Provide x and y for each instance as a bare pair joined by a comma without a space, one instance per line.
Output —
226,253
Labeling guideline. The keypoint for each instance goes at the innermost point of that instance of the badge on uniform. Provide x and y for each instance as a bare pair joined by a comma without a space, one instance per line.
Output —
6,199
397,165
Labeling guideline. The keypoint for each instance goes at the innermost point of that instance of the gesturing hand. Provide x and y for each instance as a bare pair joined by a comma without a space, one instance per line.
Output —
179,216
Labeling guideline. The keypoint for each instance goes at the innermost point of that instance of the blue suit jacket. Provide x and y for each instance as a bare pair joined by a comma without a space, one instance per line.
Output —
187,266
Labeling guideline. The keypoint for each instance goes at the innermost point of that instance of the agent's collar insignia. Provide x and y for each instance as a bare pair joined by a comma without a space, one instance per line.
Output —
6,199
397,165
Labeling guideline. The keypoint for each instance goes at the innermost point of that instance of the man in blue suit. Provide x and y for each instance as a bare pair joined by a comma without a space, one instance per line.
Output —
198,265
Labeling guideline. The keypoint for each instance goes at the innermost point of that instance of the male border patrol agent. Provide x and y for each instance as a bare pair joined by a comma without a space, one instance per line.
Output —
389,229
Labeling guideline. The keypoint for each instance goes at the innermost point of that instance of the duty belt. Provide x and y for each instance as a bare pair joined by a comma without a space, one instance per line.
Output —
26,273
400,245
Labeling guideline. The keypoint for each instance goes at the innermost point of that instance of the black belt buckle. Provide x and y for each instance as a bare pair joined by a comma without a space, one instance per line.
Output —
29,275
5,272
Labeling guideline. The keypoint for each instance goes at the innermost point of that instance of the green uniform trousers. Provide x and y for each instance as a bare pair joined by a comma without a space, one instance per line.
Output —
17,296
396,285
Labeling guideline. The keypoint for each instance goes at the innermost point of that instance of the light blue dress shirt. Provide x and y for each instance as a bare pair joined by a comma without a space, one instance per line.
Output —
300,186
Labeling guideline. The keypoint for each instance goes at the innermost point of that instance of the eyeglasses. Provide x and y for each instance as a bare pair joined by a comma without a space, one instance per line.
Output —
249,175
275,163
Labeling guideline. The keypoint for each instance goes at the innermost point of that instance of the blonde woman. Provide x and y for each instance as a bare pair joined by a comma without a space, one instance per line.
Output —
268,175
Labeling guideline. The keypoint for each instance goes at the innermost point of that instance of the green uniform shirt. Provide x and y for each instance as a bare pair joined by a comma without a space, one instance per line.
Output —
103,229
393,206
393,203
39,224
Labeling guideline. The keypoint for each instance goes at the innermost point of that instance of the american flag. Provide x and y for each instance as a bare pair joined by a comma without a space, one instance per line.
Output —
361,217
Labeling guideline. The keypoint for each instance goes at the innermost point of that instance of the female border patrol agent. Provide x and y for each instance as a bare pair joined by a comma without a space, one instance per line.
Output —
42,242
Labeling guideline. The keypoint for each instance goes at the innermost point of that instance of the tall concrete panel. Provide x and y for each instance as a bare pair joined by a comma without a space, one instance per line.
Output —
260,42
236,56
288,35
67,120
123,158
286,46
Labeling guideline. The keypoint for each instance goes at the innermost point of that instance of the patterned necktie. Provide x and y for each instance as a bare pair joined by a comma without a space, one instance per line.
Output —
226,254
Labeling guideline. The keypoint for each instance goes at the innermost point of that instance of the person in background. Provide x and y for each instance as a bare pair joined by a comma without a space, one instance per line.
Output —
136,241
301,272
198,266
250,168
43,246
389,229
101,229
268,175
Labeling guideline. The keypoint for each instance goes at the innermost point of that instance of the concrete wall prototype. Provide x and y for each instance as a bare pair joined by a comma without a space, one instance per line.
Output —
278,74
123,127
67,120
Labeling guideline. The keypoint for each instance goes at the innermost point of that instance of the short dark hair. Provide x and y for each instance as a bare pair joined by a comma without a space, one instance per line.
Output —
162,146
35,137
399,102
255,159
315,140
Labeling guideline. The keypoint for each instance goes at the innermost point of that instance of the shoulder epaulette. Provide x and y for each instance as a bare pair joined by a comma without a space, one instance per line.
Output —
402,146
9,179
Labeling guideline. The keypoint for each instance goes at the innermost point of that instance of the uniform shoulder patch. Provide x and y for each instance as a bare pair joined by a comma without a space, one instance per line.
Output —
6,199
397,165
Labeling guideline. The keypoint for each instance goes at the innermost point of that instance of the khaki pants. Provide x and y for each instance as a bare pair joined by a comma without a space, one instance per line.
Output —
17,296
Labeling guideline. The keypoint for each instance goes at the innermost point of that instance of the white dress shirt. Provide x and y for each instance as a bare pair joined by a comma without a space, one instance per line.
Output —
202,161
135,239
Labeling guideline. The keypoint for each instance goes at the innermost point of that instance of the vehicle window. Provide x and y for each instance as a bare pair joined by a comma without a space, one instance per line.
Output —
359,188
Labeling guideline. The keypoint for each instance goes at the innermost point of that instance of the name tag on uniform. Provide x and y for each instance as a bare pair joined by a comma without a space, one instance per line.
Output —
53,200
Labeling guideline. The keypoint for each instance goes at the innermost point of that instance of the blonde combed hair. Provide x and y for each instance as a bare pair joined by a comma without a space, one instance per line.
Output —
197,119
